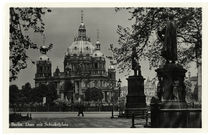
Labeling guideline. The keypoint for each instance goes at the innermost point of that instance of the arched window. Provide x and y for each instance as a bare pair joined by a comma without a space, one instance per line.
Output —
96,65
101,83
40,69
96,83
75,48
87,48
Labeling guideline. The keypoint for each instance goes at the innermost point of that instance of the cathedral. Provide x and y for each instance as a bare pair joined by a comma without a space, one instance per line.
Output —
84,67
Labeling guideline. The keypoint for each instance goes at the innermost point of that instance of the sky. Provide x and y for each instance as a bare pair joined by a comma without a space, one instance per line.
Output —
61,26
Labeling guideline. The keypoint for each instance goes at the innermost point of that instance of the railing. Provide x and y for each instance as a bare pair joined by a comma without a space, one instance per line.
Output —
145,115
114,115
16,117
61,108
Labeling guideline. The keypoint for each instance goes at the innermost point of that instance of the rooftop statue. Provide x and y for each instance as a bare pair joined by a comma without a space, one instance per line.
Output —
43,49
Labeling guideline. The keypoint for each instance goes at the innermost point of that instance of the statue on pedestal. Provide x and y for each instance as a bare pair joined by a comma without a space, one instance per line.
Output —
171,87
135,63
169,38
171,75
135,99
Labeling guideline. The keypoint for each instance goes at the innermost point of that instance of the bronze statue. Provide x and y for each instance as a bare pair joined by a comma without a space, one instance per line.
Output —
176,91
135,63
169,38
159,91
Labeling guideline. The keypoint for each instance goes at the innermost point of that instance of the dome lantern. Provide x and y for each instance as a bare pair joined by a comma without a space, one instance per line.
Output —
82,29
98,44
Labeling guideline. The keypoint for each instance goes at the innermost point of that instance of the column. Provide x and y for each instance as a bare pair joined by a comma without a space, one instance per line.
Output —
62,96
199,82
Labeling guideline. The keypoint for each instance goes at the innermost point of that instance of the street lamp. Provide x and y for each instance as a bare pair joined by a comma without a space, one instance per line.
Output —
119,86
112,99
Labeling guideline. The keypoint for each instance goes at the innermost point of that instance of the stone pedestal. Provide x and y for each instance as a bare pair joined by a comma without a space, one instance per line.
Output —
171,90
171,93
135,99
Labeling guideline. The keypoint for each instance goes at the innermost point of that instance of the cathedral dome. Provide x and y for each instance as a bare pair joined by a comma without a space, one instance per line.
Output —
98,53
81,46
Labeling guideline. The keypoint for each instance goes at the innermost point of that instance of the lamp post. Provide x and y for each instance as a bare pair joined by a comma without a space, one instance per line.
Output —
112,100
119,87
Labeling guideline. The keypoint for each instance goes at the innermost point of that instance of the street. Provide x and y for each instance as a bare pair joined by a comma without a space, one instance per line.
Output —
71,120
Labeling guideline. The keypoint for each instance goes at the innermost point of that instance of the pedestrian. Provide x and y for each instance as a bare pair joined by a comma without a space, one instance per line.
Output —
80,109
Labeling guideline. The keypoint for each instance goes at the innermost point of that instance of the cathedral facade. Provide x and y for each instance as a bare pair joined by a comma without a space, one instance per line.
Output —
84,67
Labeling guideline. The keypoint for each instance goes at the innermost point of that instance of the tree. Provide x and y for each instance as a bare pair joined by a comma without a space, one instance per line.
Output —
26,92
22,22
114,98
48,91
36,95
51,93
143,35
13,94
93,94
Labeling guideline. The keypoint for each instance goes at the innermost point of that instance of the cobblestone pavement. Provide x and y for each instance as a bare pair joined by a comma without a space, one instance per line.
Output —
71,120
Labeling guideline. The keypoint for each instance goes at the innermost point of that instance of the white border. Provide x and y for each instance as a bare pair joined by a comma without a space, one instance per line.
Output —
110,130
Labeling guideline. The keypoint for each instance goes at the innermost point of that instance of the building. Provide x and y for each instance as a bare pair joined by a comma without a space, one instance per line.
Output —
84,67
195,88
124,91
199,73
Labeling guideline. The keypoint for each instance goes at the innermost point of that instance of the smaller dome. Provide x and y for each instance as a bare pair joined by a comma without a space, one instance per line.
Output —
97,42
57,70
82,26
68,68
111,67
44,47
44,58
98,53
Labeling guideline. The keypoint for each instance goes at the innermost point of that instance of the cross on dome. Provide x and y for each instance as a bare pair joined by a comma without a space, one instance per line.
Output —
81,16
97,34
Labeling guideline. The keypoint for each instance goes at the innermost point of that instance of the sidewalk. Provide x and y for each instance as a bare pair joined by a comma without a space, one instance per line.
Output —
71,120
